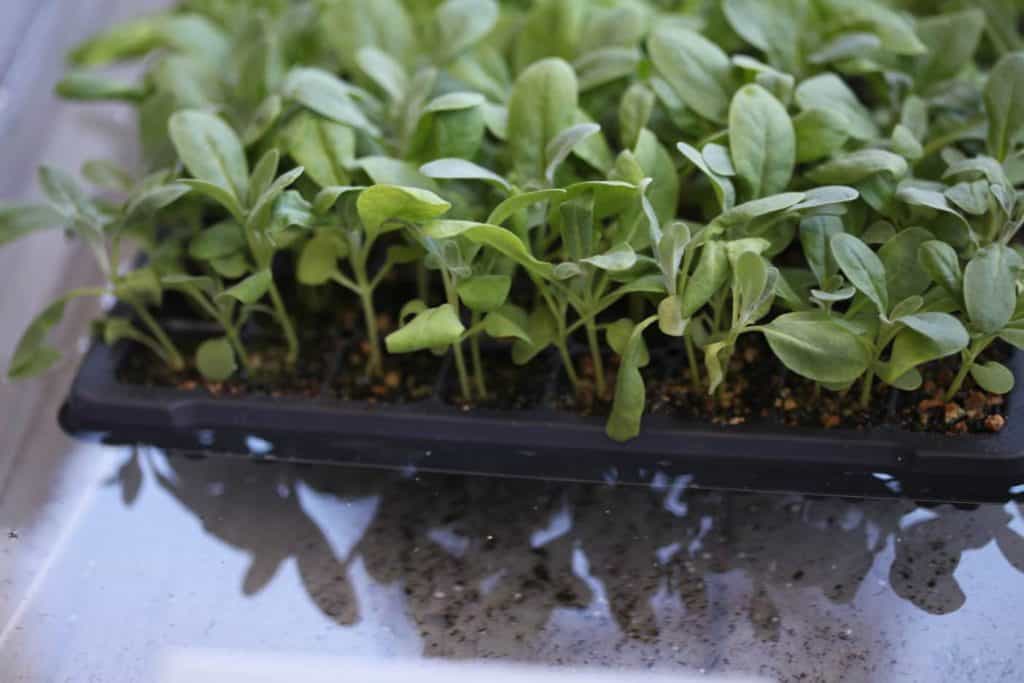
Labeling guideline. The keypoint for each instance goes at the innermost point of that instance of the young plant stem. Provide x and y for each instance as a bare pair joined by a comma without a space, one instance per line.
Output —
595,355
174,357
422,283
561,342
865,389
363,287
966,363
236,343
570,371
291,338
460,360
375,364
478,364
230,331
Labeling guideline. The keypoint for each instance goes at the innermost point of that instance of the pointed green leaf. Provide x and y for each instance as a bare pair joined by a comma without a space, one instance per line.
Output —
1004,102
484,293
862,268
762,141
390,206
630,392
318,260
328,96
989,290
698,70
251,289
211,151
814,346
542,103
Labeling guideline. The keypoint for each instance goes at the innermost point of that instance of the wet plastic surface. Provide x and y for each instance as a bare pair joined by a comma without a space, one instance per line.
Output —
432,435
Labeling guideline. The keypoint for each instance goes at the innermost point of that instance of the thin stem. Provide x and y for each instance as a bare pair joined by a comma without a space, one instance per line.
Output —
595,355
563,333
967,359
422,283
375,363
460,360
291,338
345,282
174,357
958,381
230,331
865,389
478,365
236,343
570,371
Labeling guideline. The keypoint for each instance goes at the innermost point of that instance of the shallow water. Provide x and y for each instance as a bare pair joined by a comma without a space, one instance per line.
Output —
168,551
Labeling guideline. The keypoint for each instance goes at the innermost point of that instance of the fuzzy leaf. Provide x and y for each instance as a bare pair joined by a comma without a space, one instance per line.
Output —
619,258
819,133
762,141
989,290
697,69
542,103
211,151
942,264
630,393
862,268
496,237
328,96
711,275
831,93
854,167
1004,102
993,377
814,346
460,169
18,220
324,148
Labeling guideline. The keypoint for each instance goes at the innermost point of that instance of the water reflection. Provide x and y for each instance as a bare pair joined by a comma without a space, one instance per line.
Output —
486,564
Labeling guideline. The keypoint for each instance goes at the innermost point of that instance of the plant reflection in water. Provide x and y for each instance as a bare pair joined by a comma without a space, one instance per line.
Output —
486,564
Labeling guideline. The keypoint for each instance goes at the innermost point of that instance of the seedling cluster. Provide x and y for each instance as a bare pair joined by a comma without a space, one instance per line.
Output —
837,176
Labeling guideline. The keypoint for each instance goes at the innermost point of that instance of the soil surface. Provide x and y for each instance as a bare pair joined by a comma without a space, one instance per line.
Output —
757,388
405,379
746,395
268,373
509,386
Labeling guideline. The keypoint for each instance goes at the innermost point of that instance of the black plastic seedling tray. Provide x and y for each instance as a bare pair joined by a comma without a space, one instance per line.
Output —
432,435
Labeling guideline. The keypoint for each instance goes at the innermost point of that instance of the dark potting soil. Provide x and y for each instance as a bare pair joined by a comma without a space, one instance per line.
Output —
586,400
757,387
746,395
509,386
971,411
268,373
405,379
